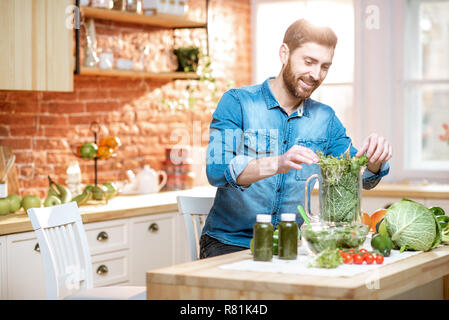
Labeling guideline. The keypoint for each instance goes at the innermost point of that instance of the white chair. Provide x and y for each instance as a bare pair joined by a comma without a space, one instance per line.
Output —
194,210
66,257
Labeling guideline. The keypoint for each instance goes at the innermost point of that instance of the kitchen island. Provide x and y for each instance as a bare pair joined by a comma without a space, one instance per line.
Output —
205,279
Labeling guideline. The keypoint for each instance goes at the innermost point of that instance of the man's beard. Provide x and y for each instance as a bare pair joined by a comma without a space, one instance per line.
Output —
292,83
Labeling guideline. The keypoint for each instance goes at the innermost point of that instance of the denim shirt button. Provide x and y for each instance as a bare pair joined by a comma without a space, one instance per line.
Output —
279,190
285,141
274,213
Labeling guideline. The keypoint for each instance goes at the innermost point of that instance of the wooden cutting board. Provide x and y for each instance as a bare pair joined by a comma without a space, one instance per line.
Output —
13,177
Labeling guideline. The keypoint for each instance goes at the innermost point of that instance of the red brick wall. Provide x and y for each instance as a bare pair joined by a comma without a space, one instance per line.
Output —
41,126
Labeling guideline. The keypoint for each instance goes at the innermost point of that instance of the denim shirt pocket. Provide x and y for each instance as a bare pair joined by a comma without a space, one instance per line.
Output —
259,143
307,170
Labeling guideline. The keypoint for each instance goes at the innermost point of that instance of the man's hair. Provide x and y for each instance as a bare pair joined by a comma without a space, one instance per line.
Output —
302,31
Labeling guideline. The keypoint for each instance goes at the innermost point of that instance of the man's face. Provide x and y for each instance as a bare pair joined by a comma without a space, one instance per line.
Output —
306,69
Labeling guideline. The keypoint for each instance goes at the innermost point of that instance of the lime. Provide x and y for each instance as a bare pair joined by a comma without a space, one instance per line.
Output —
251,245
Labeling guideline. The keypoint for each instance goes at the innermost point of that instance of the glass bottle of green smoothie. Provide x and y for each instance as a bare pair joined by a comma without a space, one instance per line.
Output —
288,237
263,238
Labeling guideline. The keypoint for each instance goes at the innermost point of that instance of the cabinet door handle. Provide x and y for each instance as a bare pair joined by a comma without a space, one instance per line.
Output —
37,248
154,227
102,270
102,236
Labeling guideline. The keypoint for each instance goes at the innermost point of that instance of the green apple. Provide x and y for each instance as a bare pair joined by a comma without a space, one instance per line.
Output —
4,206
99,192
51,201
88,150
31,201
15,202
112,189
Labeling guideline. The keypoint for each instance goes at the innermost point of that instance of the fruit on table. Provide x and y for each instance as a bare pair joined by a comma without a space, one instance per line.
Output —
88,150
104,152
51,201
366,219
15,202
111,190
83,197
89,187
59,191
382,244
111,142
376,217
31,201
4,206
99,192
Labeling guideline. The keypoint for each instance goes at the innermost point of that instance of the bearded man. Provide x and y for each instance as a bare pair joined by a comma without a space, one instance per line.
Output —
264,139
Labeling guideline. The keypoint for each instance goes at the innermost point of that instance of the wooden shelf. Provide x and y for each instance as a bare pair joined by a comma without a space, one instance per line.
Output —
161,20
138,74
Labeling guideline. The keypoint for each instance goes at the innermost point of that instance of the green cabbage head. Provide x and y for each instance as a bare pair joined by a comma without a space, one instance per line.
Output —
412,226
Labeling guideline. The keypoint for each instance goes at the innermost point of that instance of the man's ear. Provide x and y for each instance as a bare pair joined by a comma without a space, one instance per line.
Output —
283,53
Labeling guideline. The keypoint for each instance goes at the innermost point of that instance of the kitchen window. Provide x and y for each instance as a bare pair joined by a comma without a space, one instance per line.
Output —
426,85
270,21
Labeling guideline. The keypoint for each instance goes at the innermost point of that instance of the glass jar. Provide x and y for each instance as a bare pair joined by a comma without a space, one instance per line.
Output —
263,238
288,237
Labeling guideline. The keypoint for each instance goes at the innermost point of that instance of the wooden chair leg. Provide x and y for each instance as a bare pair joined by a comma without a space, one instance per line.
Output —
446,287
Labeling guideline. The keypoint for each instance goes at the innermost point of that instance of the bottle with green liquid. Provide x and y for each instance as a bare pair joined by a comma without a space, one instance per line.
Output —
288,237
263,238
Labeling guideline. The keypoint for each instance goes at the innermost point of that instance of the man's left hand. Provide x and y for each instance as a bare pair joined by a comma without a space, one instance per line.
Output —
377,149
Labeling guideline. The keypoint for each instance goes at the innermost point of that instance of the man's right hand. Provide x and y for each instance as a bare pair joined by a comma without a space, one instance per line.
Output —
294,157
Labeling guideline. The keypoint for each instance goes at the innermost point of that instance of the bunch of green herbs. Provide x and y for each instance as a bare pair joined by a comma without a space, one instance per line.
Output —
340,192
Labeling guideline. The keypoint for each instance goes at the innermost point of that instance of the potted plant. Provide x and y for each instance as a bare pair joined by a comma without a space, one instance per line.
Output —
188,58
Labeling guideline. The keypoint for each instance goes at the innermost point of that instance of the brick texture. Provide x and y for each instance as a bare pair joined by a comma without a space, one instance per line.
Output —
41,127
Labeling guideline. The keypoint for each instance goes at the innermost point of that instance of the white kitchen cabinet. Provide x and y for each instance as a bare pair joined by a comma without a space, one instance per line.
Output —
25,270
3,277
107,236
152,244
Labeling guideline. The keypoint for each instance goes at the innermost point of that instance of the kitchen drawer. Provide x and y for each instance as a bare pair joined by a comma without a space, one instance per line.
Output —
110,268
24,267
107,236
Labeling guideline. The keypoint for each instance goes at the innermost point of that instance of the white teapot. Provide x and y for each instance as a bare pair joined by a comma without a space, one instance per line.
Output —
148,180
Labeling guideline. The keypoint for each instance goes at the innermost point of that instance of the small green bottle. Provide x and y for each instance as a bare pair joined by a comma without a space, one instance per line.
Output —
263,238
288,237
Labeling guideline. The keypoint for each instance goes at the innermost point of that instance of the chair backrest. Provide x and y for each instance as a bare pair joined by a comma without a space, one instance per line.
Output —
194,210
64,249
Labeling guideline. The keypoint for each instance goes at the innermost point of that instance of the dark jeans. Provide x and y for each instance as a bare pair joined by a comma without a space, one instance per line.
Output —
211,247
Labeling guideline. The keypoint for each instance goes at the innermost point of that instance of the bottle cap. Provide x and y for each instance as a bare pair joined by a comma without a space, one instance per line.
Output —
288,217
263,218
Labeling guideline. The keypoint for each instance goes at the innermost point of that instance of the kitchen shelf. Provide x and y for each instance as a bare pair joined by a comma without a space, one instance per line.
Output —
158,19
138,74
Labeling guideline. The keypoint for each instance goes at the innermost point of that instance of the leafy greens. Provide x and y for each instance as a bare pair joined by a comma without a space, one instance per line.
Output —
340,194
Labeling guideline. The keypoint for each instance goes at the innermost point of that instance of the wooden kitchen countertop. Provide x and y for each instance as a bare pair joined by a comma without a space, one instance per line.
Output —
122,206
204,279
126,206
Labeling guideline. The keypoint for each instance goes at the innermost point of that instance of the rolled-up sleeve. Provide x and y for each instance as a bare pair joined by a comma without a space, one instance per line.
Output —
225,158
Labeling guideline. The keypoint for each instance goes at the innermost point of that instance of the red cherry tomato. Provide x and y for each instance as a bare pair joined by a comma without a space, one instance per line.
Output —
351,251
363,251
347,259
379,259
369,258
357,258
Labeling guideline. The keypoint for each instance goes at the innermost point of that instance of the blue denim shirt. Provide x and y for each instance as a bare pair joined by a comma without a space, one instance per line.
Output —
247,124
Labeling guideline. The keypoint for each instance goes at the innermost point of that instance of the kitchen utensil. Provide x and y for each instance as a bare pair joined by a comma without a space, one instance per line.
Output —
339,196
148,180
303,215
9,165
13,178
